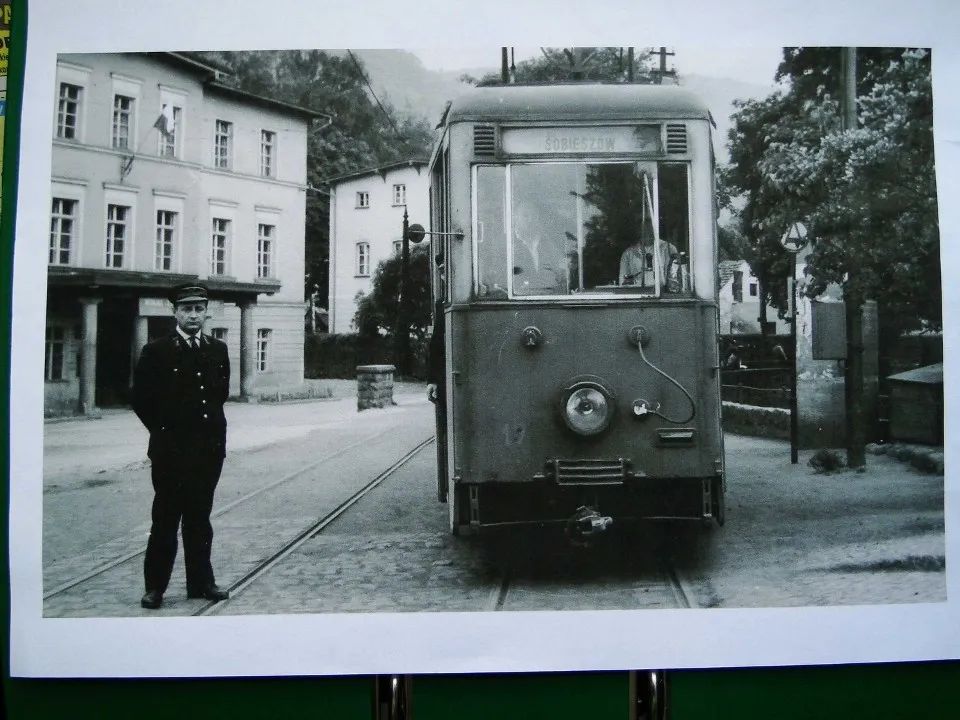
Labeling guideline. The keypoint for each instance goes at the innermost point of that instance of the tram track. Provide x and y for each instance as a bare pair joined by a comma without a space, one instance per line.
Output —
115,562
661,579
314,529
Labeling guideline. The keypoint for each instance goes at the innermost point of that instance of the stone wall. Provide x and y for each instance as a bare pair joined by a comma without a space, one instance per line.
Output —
756,421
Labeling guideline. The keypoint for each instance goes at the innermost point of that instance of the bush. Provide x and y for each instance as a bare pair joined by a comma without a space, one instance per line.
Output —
337,356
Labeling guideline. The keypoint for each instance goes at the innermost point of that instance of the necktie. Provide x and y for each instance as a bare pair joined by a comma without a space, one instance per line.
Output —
193,342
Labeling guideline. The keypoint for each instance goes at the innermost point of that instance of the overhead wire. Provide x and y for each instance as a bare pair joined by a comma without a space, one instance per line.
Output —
366,80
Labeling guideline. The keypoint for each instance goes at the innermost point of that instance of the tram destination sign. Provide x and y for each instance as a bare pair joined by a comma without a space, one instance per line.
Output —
603,140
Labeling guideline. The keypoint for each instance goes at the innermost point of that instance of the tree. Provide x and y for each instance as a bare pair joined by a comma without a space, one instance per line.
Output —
377,312
867,194
560,65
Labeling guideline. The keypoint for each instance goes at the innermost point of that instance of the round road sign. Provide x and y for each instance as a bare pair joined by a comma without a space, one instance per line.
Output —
795,238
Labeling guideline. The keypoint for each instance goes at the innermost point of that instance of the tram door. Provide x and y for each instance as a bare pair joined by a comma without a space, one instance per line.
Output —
439,248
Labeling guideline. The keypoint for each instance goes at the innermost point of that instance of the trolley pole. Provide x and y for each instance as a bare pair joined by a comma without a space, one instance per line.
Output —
401,336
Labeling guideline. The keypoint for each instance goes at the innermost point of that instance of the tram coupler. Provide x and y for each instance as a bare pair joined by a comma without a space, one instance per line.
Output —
586,523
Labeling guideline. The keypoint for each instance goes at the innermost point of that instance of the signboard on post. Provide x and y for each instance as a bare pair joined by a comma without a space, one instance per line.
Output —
795,238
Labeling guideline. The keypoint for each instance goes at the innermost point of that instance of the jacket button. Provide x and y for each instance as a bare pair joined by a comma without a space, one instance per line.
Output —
198,374
204,402
201,387
204,416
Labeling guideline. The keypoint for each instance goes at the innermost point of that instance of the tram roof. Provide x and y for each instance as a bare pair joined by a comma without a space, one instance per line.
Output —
577,102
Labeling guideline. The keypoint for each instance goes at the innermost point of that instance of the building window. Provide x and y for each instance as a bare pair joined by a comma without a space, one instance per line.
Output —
265,239
53,356
263,349
219,333
122,121
363,259
168,123
223,140
400,194
68,111
166,237
63,215
268,141
753,289
118,216
363,199
220,239
397,247
738,286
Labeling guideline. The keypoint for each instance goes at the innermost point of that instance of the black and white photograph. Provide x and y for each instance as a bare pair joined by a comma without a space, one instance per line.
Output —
505,356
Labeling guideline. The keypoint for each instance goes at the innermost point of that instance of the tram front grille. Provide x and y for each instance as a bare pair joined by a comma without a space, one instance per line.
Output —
589,472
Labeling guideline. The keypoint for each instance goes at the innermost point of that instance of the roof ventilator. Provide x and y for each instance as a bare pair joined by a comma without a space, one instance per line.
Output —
484,140
676,139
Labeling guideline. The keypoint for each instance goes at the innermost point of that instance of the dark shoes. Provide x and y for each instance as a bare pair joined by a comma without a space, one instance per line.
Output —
152,600
211,592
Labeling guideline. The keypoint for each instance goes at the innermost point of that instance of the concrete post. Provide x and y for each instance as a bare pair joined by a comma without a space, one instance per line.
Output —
141,336
248,347
88,364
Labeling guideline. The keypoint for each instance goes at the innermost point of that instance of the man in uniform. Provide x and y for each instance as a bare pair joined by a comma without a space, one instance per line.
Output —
179,388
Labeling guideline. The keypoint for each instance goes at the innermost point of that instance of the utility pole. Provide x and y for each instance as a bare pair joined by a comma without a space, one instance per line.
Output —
401,335
630,65
853,382
504,66
663,64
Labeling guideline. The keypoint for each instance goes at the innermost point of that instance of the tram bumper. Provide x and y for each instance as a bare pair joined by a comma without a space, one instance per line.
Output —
588,503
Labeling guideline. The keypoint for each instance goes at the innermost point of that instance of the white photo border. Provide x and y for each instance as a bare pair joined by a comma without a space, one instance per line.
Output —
450,642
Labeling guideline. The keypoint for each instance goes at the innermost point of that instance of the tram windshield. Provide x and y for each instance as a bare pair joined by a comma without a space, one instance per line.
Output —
603,228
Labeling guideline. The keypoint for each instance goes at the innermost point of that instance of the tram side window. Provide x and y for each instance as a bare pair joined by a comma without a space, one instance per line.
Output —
491,233
674,212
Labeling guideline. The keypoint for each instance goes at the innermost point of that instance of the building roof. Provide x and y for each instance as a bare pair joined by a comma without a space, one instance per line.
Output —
927,375
576,101
269,103
212,76
380,170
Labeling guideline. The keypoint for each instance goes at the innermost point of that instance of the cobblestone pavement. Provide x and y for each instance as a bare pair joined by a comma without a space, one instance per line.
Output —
394,554
272,490
793,537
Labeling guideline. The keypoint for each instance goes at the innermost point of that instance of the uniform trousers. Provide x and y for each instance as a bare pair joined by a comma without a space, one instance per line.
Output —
183,491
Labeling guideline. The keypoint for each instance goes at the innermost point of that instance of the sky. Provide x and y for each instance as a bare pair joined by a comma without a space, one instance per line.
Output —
754,64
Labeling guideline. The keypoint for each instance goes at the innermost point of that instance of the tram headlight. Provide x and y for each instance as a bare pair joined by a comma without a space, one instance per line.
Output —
587,408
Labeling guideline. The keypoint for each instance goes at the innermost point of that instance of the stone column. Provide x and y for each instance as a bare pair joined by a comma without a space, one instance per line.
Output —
248,349
88,364
374,386
141,337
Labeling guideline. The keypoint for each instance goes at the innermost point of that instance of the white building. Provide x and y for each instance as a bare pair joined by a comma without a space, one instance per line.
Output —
366,228
740,301
219,197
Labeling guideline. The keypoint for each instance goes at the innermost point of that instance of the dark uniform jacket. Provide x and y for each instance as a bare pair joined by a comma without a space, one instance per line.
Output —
178,394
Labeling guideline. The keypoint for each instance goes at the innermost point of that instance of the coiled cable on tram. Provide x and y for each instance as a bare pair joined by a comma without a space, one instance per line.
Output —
656,411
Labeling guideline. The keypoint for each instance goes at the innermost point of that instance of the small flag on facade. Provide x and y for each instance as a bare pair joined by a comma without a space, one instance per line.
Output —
165,122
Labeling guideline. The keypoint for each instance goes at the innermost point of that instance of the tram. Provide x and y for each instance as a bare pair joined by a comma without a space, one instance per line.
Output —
574,234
